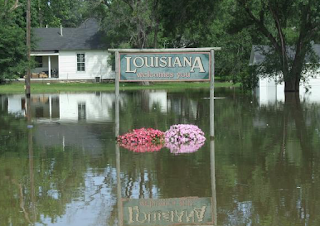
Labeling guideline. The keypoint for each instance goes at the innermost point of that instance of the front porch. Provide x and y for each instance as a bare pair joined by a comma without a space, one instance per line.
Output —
47,65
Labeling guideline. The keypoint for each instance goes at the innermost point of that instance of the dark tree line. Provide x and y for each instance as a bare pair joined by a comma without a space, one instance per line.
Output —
288,28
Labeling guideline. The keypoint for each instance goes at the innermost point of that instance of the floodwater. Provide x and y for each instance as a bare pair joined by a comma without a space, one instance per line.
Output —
60,164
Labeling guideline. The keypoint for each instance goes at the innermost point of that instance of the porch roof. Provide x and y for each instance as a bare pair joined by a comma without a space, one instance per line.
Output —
46,53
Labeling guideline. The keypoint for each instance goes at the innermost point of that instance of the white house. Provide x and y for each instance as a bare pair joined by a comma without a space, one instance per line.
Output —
71,53
270,90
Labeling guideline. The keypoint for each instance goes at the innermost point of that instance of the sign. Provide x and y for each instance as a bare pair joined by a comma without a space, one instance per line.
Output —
174,211
165,66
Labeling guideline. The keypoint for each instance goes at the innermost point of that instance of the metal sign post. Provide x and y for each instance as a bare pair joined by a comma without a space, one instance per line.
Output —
117,127
117,94
159,65
212,96
213,182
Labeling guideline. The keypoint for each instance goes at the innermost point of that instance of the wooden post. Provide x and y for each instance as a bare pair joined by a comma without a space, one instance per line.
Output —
28,75
31,163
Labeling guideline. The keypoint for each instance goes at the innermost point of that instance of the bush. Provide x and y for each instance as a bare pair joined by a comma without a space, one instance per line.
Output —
12,51
249,78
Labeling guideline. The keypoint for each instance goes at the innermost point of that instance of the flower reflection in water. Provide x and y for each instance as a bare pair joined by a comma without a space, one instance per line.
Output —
142,147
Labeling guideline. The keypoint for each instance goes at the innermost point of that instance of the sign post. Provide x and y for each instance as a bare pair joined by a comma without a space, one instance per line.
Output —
165,65
117,127
212,96
117,94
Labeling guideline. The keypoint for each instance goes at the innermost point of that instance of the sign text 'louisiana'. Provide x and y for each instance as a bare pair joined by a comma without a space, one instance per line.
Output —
165,212
186,66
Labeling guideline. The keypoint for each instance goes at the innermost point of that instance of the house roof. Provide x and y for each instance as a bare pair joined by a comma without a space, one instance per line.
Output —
85,37
258,53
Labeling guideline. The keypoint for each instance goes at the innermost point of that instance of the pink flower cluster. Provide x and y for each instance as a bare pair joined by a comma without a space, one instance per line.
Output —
184,138
142,140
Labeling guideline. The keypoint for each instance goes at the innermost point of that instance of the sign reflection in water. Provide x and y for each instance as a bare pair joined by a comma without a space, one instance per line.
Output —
171,211
187,210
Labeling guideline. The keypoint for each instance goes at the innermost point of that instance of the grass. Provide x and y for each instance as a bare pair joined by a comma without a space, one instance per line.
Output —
18,87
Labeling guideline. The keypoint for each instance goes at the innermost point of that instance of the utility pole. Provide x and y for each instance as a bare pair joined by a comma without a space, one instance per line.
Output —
28,75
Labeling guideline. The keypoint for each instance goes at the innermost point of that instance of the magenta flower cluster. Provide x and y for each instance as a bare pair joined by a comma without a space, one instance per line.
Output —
181,138
184,138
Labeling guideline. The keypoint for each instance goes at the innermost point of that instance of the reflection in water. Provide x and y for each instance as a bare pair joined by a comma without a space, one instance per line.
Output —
213,182
185,210
267,162
270,92
31,164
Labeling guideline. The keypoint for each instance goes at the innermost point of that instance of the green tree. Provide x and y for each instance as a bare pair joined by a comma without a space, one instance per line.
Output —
129,23
12,40
186,23
67,13
289,28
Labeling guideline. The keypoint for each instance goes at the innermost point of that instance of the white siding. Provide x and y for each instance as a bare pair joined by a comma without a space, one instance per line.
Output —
269,92
96,65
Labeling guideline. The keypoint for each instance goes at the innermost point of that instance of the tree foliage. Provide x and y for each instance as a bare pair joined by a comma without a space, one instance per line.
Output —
67,13
288,28
12,40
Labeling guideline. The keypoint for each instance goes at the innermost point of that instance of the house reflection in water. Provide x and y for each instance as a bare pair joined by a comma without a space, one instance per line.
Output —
94,107
159,99
91,107
64,107
269,92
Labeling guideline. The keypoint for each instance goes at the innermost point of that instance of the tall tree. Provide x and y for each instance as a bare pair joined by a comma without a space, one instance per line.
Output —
12,39
187,23
67,13
129,23
289,27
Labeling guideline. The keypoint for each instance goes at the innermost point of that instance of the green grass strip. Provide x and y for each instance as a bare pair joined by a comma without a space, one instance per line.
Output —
18,87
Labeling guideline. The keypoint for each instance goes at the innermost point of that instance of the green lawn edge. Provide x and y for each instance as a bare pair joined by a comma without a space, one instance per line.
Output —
15,87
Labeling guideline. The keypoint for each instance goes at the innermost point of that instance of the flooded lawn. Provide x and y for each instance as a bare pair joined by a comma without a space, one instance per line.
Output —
60,164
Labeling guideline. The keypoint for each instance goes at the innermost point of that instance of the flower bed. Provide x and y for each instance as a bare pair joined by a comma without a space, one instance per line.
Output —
142,140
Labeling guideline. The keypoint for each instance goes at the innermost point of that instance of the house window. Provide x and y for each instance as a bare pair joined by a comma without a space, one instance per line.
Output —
81,61
38,60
